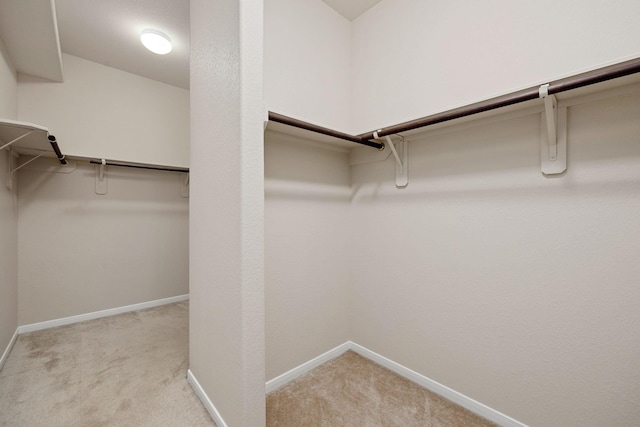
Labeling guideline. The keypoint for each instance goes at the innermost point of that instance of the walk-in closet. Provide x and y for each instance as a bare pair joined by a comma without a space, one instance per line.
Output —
425,212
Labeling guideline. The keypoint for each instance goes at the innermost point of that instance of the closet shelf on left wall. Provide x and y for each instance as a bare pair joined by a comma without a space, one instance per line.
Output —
28,139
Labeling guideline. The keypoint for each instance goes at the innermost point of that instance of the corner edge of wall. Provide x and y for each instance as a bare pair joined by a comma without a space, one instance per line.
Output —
440,389
5,355
202,395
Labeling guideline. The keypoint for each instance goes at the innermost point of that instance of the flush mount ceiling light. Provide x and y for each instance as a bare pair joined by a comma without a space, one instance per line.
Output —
156,41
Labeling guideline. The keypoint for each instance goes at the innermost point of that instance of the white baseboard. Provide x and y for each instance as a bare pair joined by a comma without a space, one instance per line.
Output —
209,406
431,385
98,314
434,386
8,349
298,371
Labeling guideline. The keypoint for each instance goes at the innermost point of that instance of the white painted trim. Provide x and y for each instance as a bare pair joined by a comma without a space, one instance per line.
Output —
98,314
431,385
5,355
209,406
298,371
434,386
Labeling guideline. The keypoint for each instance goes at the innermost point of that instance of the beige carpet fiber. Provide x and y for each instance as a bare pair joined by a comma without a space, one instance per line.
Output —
129,370
124,370
353,391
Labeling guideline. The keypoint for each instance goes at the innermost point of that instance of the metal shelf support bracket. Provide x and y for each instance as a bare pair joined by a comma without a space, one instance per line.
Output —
11,170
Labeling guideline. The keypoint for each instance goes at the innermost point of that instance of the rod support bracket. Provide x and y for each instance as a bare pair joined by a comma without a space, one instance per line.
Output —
402,164
101,178
553,135
551,115
185,185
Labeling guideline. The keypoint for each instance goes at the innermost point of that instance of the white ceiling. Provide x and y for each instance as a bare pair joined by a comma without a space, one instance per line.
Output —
351,9
107,32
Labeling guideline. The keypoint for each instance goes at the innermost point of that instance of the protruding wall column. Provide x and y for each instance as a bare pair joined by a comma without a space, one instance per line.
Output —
226,349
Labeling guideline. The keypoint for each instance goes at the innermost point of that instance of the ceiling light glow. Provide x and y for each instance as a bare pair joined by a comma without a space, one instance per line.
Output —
156,41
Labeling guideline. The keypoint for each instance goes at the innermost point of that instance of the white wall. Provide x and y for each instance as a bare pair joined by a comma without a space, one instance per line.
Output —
412,58
81,252
8,257
8,213
9,85
307,62
102,112
226,263
307,199
517,290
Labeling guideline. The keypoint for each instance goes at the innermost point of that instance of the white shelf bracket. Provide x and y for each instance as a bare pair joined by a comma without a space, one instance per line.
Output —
12,170
101,178
553,147
402,164
185,185
10,156
8,144
551,116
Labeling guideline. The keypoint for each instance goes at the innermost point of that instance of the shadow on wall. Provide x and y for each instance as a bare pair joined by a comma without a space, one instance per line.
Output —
501,158
129,190
305,170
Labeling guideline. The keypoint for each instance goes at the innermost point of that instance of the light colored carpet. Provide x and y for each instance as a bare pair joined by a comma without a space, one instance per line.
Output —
353,391
124,370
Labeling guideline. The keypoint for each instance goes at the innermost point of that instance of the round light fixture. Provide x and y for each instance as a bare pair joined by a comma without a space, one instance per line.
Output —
156,41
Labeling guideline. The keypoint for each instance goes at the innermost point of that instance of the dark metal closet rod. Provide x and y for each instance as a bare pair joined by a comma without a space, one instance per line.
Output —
574,82
56,149
279,118
139,166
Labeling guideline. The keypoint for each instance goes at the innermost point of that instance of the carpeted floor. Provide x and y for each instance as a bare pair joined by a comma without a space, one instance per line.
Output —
353,391
129,370
124,370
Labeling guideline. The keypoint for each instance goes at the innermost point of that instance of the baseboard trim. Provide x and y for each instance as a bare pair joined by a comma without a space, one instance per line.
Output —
5,355
434,386
431,385
298,371
202,395
98,314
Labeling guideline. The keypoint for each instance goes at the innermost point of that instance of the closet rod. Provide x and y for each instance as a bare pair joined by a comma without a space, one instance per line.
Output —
279,118
56,149
139,166
574,82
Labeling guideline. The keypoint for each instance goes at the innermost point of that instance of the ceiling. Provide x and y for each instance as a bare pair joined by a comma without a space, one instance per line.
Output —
351,9
107,32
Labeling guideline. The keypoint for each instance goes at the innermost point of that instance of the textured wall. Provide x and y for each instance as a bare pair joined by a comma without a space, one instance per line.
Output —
307,62
8,214
100,112
515,289
9,85
307,250
81,252
412,58
226,261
